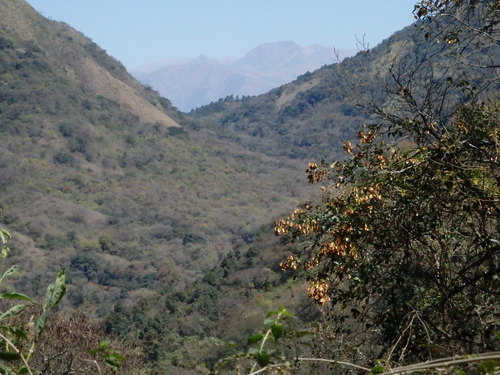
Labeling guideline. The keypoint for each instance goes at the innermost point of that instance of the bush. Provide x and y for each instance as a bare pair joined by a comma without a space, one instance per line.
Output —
64,159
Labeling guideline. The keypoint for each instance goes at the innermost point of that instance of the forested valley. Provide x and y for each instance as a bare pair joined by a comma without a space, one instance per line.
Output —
347,222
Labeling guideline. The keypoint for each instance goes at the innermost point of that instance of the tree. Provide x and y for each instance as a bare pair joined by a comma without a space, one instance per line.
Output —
404,245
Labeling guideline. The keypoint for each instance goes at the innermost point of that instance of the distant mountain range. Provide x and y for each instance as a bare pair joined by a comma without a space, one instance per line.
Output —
192,83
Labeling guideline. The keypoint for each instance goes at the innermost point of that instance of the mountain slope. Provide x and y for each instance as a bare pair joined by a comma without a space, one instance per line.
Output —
82,61
137,208
202,320
99,175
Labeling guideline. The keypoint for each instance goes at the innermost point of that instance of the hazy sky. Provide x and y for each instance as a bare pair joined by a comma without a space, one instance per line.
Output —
139,32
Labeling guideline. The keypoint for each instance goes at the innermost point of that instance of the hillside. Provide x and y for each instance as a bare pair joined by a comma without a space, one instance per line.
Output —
188,331
306,118
198,82
100,176
55,48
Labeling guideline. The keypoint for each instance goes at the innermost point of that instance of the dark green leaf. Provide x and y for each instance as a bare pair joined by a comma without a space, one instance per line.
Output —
9,356
113,361
255,338
40,324
263,359
277,330
15,296
15,331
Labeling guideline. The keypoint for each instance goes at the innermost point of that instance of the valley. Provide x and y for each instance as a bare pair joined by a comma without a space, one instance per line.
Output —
166,223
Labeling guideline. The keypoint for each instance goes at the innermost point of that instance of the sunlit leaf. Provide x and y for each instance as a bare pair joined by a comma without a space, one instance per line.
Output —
4,236
271,313
15,296
14,310
377,369
55,292
12,270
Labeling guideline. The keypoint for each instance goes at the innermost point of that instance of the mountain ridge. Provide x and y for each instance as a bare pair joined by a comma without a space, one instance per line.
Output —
199,81
102,73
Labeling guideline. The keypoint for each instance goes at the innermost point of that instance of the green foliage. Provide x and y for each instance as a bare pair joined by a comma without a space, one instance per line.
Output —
55,292
212,319
301,120
405,239
139,210
111,356
30,343
266,353
64,158
277,356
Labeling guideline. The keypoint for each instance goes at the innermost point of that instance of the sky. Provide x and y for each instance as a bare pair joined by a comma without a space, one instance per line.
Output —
140,32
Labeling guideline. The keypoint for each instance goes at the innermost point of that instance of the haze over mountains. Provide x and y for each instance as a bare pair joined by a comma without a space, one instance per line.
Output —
132,194
193,83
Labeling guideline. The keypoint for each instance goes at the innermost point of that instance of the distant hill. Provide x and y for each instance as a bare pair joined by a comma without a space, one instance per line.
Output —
191,84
